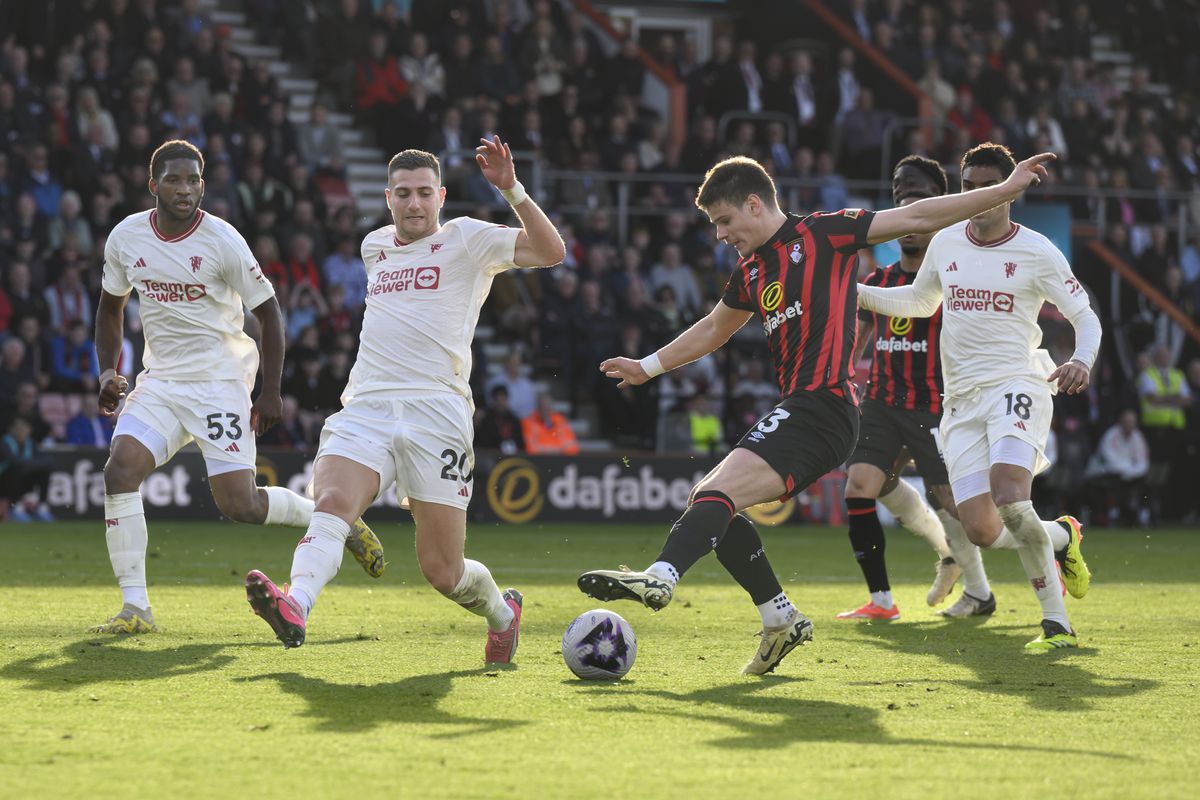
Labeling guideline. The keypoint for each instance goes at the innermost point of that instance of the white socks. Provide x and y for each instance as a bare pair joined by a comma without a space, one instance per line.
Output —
1037,557
882,599
967,556
125,533
318,557
478,593
775,612
285,507
664,572
911,511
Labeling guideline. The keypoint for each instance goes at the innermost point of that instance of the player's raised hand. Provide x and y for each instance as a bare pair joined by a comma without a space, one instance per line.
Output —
111,394
266,411
1073,377
629,370
496,163
1030,172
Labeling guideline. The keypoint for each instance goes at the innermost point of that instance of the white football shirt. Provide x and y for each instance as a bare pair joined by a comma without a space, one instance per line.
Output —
192,288
423,302
991,295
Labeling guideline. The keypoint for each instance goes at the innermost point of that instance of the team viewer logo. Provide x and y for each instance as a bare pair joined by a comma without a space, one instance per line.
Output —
771,296
427,277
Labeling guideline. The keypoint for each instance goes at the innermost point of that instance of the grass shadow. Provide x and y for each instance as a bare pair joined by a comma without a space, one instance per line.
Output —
353,708
1052,682
92,661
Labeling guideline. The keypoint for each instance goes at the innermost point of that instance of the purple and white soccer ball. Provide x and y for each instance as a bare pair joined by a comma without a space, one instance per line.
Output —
599,645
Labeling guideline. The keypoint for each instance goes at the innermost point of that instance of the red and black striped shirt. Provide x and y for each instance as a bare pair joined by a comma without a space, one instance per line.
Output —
802,284
906,367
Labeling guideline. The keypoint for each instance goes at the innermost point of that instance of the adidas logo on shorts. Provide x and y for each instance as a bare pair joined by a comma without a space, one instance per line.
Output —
233,448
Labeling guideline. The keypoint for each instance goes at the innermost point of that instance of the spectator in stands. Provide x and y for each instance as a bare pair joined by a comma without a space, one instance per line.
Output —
498,428
754,384
88,428
422,67
22,472
27,407
14,371
320,143
670,271
305,306
547,432
522,394
862,134
705,426
68,301
289,432
1165,396
344,268
1119,465
25,301
75,366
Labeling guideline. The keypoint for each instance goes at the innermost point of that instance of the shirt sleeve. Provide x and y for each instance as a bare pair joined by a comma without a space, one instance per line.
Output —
493,247
115,281
845,230
1062,288
920,298
243,273
735,295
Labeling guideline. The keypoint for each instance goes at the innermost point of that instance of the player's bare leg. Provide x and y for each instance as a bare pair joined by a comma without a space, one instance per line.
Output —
441,537
241,500
344,489
1004,518
129,462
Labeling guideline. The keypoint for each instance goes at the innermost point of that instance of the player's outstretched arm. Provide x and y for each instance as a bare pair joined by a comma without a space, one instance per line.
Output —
920,298
703,337
934,213
110,327
268,408
539,243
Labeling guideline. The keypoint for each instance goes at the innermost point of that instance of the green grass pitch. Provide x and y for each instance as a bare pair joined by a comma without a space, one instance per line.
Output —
389,696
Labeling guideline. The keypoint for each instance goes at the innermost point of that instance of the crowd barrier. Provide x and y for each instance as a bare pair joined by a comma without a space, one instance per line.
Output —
606,488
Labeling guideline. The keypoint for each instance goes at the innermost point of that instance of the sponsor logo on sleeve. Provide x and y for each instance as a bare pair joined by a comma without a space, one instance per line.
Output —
1073,286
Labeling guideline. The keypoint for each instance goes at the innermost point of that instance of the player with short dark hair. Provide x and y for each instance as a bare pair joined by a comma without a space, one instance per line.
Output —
193,272
797,275
407,408
899,415
990,278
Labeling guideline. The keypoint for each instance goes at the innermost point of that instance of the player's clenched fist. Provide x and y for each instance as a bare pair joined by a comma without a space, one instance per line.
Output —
1073,377
629,370
112,392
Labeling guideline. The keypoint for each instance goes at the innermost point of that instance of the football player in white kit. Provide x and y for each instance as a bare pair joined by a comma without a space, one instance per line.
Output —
407,408
991,276
193,272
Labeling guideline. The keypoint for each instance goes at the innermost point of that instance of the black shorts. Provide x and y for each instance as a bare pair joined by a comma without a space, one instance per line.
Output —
804,437
886,429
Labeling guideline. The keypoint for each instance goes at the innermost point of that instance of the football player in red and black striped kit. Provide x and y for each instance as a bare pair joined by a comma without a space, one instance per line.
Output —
798,276
899,414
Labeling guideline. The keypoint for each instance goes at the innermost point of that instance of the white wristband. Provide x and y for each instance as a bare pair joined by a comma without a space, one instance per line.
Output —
652,365
107,375
516,195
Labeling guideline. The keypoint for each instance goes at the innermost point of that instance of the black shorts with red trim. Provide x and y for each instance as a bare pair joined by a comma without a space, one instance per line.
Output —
887,429
805,436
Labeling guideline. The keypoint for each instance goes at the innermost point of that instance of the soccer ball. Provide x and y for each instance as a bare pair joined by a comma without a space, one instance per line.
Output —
599,644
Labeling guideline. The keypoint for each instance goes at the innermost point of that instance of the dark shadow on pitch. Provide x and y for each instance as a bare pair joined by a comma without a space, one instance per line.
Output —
351,708
1049,682
765,719
102,660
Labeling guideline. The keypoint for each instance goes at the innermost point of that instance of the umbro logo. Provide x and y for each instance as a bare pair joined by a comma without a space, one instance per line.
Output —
953,267
754,272
233,448
139,264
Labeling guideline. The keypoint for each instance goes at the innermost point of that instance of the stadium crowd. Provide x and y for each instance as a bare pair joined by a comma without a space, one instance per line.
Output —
89,88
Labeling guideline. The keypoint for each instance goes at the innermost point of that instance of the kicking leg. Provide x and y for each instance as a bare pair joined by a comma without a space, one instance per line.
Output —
129,462
441,539
741,480
344,489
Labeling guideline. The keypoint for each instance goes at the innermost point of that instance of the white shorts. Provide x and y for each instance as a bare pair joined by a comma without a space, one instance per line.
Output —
164,415
421,442
973,429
